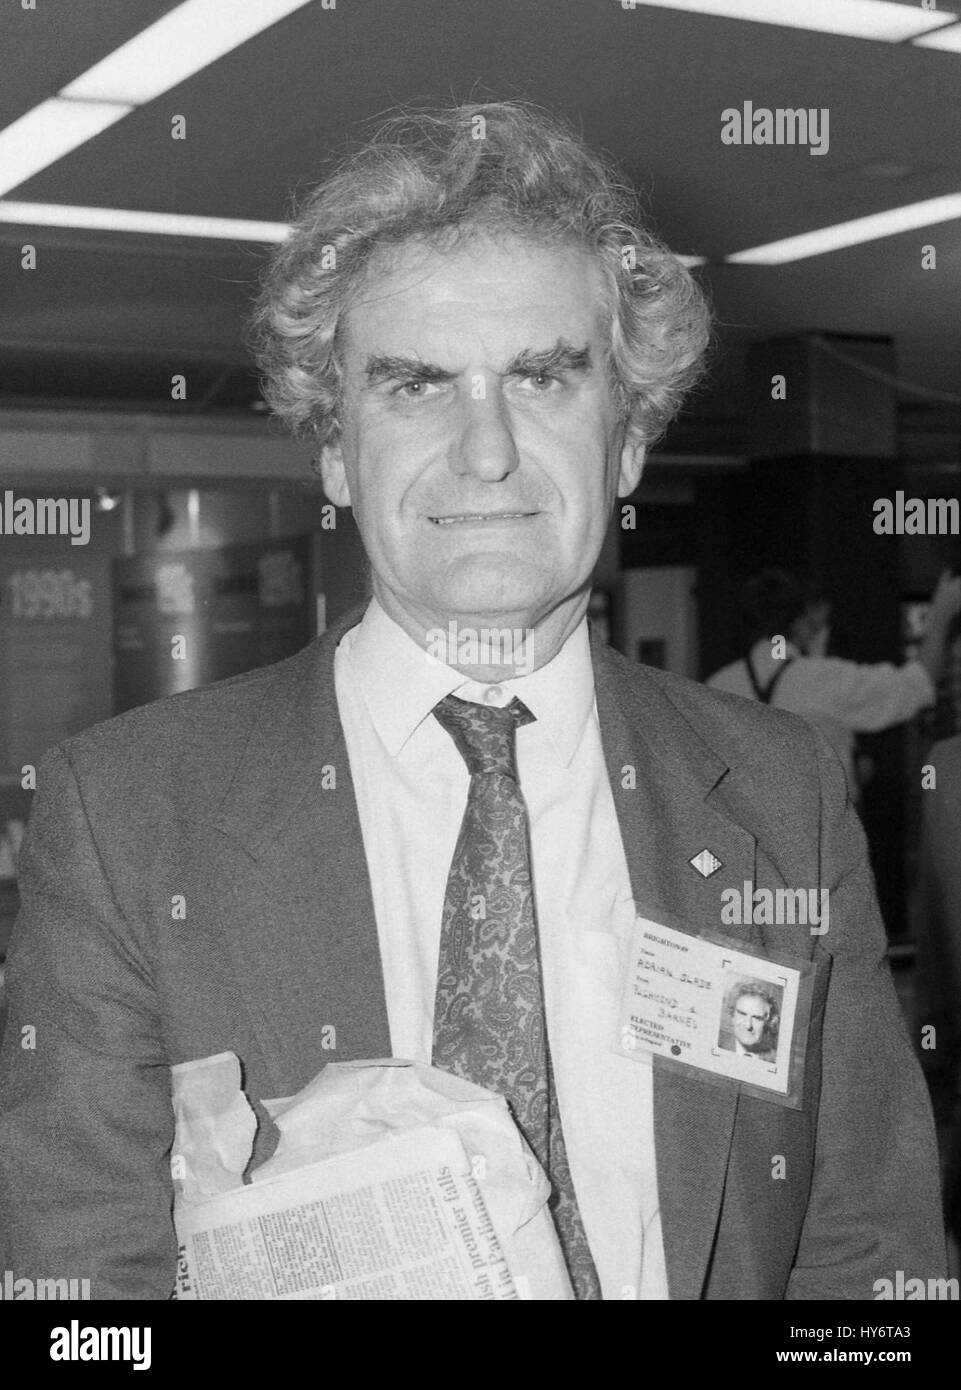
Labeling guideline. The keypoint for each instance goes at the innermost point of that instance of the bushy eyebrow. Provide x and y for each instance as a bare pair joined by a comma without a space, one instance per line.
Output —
389,368
562,357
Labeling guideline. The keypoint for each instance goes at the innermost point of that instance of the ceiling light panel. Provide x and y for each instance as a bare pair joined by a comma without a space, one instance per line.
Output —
859,19
948,40
149,223
189,38
854,233
48,132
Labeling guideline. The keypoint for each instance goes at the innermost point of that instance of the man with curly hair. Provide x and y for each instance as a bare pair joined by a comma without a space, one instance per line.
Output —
751,1030
427,834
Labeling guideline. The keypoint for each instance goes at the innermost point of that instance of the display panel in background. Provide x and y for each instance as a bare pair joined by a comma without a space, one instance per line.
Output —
185,618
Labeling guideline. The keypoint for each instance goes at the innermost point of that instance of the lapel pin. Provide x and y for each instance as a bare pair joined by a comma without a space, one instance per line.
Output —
706,863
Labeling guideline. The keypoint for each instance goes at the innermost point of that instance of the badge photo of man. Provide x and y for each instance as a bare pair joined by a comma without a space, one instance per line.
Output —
749,1026
481,365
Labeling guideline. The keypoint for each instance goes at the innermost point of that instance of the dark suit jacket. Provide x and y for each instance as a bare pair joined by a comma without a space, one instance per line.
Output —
217,796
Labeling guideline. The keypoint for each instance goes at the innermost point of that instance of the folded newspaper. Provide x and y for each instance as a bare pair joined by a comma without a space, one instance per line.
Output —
390,1180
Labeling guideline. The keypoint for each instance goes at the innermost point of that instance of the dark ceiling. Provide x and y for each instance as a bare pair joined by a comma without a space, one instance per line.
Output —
110,317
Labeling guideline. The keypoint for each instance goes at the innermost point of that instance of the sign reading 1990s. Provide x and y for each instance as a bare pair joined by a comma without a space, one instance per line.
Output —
55,639
55,656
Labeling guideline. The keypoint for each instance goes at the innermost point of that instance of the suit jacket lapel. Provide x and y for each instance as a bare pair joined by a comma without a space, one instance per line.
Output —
666,784
293,871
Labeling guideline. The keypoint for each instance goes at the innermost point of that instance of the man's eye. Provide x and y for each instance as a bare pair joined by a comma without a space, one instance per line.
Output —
414,390
542,382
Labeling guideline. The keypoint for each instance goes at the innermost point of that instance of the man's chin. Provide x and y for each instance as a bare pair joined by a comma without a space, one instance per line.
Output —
492,592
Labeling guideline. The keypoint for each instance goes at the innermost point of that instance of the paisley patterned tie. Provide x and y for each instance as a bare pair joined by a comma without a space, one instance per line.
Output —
489,1023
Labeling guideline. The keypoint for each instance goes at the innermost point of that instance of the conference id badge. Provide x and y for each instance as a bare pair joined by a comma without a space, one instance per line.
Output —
731,1016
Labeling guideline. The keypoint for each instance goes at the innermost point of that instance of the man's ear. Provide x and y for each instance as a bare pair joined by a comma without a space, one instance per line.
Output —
334,474
633,454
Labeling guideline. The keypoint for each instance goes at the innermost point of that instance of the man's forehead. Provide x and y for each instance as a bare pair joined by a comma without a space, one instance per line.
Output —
497,294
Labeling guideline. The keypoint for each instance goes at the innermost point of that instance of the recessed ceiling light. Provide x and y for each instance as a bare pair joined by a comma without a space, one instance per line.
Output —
860,19
149,223
853,233
107,501
887,169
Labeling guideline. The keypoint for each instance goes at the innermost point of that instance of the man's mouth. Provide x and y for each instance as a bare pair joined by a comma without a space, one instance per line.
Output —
462,517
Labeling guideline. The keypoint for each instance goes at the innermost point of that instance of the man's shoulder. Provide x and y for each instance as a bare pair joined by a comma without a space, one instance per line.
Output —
198,733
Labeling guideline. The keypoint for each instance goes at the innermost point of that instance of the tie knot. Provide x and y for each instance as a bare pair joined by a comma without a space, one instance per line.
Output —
484,734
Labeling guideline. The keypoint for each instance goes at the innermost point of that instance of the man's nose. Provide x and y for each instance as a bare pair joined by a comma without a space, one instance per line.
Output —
485,444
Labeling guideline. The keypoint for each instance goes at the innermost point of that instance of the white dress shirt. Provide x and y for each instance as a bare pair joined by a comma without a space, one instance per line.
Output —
841,697
411,787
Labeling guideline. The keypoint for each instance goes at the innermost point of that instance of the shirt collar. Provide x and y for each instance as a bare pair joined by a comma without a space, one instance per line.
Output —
401,683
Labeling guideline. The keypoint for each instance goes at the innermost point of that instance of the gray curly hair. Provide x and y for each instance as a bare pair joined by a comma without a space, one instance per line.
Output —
432,175
755,990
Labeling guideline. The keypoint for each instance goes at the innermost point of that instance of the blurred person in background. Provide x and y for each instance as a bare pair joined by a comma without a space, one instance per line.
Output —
788,626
